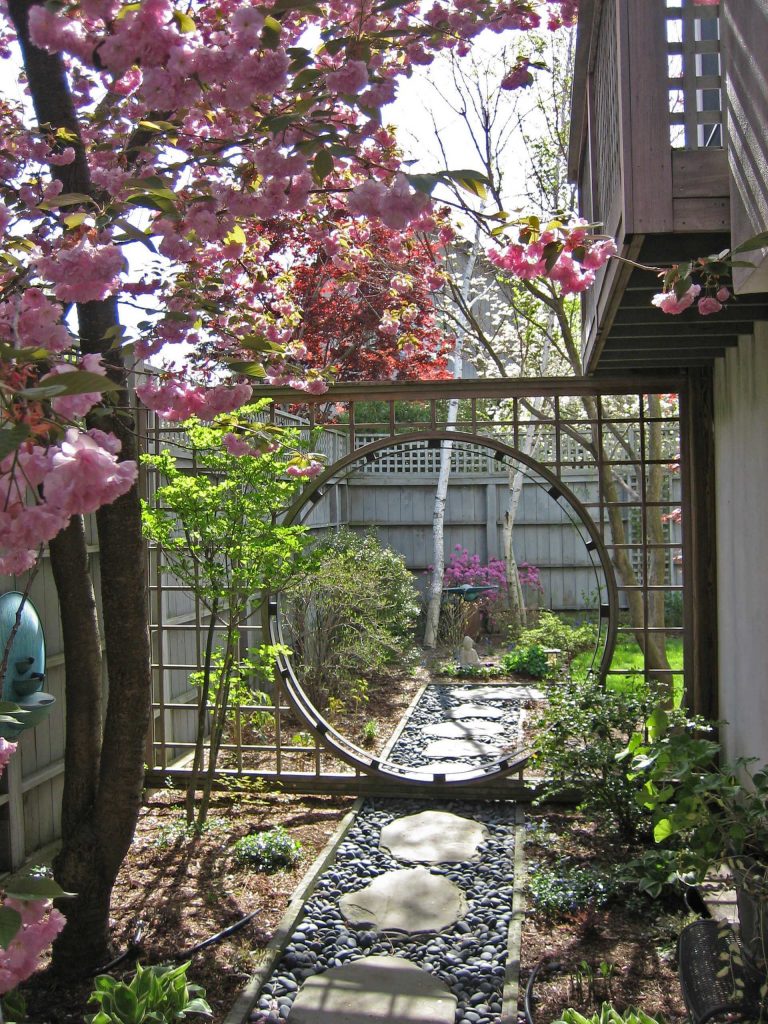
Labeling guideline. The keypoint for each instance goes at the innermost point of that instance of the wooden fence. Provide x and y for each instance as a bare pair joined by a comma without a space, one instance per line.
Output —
393,493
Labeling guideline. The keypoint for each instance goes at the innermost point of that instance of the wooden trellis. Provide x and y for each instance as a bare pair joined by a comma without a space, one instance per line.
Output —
581,426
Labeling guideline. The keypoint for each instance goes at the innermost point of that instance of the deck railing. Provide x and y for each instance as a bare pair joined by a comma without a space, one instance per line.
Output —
695,81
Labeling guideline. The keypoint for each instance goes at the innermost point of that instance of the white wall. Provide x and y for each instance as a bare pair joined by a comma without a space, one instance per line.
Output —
741,423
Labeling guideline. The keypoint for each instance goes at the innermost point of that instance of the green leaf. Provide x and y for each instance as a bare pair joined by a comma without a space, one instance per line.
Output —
424,182
10,923
470,181
755,242
270,34
663,830
248,369
258,343
78,382
36,889
658,723
74,220
322,165
184,22
126,1004
154,126
65,199
11,437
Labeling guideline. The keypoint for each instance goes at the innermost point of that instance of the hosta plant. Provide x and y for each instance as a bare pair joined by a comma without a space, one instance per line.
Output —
154,995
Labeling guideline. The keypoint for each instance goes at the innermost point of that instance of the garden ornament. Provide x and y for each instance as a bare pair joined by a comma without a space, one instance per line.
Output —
468,654
24,674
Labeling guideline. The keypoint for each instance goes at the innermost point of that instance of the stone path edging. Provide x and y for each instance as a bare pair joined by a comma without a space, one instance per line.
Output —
510,1000
272,952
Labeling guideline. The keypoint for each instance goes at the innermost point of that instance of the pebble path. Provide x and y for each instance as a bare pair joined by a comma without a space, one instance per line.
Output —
469,956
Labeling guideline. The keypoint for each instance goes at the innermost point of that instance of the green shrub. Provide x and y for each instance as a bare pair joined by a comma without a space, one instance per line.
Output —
268,851
579,733
159,995
350,614
557,892
607,1015
528,661
370,732
553,632
673,608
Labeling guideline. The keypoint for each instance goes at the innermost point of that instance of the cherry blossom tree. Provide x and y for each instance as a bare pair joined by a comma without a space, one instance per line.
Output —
176,131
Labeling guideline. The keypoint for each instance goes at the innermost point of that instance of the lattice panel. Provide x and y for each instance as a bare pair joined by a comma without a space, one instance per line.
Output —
605,127
614,452
695,81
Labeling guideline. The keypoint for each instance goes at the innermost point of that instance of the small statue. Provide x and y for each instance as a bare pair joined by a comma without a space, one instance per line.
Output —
468,654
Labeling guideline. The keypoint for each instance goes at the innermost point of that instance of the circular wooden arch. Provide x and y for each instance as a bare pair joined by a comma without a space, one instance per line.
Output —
337,743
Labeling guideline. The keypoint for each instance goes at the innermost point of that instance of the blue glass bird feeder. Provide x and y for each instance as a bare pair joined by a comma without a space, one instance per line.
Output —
22,682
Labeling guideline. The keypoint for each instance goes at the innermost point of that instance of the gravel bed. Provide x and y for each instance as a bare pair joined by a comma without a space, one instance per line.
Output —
470,957
431,709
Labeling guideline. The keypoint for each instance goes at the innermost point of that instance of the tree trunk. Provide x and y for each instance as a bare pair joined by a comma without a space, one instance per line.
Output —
104,779
514,590
435,592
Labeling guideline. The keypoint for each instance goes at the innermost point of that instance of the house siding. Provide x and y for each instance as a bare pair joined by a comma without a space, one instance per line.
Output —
741,420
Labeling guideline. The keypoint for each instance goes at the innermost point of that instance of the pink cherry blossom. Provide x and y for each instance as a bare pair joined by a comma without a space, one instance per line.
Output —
723,294
39,927
351,78
84,272
709,304
519,77
71,407
7,750
32,321
668,302
84,475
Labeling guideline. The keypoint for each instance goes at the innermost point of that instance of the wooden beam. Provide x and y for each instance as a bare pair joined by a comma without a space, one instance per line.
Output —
480,387
697,467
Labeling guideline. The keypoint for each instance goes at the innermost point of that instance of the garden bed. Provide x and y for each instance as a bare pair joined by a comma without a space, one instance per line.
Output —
183,891
624,952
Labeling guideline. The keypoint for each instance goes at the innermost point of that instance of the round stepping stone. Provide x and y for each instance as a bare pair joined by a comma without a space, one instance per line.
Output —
446,767
434,837
493,692
412,900
473,711
377,990
465,730
461,748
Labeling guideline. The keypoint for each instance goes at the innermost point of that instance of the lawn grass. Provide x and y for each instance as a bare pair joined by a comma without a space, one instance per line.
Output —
628,658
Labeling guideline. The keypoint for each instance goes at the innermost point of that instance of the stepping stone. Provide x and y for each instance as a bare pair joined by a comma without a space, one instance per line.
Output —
446,767
376,990
473,711
461,748
494,692
434,837
465,730
412,900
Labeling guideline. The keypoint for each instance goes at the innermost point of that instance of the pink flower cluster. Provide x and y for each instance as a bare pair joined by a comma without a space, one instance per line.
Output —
304,469
7,750
466,568
671,302
71,407
30,320
568,255
39,927
396,206
76,476
176,401
84,272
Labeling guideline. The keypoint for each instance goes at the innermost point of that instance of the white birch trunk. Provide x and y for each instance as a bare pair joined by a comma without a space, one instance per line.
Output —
515,489
435,591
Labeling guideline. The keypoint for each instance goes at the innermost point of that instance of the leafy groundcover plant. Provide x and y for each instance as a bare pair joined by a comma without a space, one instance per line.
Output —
268,851
155,995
